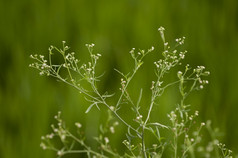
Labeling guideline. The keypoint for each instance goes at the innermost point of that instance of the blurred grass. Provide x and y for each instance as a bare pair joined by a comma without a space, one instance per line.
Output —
28,102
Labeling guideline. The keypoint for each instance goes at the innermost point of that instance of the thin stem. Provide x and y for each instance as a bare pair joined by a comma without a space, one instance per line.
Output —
79,89
143,143
175,145
114,112
84,151
71,78
155,93
124,89
129,126
150,109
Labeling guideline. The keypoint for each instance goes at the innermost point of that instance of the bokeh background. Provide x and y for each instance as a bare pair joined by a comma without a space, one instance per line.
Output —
28,102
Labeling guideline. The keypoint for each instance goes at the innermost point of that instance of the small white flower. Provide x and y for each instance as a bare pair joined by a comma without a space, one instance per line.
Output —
160,83
207,72
116,123
43,146
106,140
179,74
139,117
41,73
196,113
60,153
161,28
182,56
78,125
50,136
112,129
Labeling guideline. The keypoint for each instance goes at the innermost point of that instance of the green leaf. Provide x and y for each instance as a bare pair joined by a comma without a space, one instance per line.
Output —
157,124
90,107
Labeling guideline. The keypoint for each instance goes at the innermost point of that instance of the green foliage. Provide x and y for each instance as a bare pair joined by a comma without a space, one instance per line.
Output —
185,133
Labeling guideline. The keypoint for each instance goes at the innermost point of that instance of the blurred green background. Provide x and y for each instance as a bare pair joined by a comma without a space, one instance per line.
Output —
28,102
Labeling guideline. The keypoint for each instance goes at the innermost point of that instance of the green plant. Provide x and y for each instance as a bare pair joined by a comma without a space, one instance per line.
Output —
185,133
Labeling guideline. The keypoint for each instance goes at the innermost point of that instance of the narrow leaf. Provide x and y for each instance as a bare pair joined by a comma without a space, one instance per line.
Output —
59,69
89,108
158,133
139,99
157,124
120,72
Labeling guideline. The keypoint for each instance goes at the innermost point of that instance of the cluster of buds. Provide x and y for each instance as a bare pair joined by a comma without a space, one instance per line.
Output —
128,144
123,84
223,148
199,73
40,64
57,131
171,59
180,41
71,58
172,116
195,76
88,71
90,45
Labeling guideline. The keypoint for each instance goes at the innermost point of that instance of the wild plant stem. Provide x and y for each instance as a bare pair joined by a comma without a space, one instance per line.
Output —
124,89
82,151
143,142
150,109
113,111
175,146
